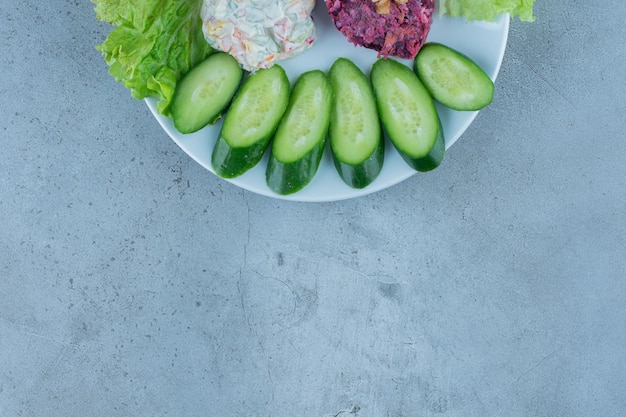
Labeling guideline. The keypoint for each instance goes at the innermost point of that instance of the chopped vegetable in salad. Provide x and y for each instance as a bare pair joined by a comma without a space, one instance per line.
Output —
257,33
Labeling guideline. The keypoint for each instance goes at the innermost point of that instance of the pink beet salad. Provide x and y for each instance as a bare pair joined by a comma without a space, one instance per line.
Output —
395,28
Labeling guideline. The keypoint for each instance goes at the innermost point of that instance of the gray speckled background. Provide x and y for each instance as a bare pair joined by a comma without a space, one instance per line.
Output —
135,283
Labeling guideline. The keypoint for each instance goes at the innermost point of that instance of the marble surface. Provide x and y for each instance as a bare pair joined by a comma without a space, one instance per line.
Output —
135,283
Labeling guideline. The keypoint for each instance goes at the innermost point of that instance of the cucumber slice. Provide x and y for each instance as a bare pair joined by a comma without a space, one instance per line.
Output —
354,132
251,121
408,114
452,78
299,140
204,92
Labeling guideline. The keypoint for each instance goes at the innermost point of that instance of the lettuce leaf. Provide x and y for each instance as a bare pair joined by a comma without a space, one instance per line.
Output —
487,9
154,43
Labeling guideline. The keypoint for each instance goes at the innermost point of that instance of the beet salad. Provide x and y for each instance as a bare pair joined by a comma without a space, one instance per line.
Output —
395,28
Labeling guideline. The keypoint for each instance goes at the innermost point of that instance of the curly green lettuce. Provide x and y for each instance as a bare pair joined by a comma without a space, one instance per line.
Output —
154,43
487,9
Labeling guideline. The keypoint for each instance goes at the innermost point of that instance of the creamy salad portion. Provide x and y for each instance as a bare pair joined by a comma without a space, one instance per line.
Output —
258,33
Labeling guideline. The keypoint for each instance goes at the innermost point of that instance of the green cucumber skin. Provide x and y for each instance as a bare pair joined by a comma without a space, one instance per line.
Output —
182,100
345,75
229,162
433,159
484,85
232,161
430,159
363,174
288,178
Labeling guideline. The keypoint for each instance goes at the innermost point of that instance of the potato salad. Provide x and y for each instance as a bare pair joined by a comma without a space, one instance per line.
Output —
258,33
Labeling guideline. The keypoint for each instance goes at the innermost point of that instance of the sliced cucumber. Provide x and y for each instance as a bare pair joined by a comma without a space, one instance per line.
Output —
408,114
205,91
452,78
354,132
251,121
299,140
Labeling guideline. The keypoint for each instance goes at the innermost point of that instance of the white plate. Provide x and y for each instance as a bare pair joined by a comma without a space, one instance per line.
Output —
482,41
